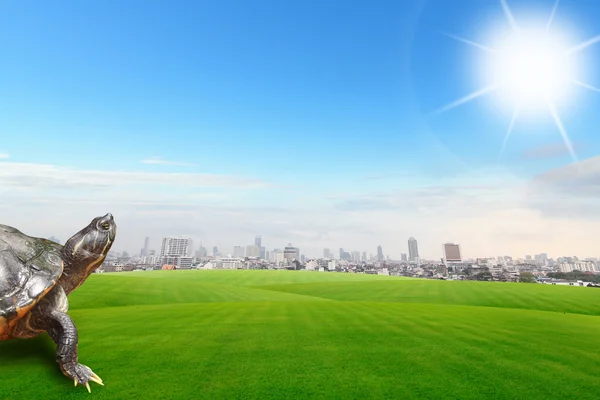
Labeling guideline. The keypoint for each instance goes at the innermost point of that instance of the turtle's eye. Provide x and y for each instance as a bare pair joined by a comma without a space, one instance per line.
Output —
105,226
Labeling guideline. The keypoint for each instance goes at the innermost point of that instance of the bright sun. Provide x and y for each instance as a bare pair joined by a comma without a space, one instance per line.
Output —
530,69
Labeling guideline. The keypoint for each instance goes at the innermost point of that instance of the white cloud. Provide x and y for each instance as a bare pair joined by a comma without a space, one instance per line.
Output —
489,213
52,176
161,161
552,150
4,156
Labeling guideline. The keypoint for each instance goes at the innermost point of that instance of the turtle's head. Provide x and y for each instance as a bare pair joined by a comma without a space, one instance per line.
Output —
86,250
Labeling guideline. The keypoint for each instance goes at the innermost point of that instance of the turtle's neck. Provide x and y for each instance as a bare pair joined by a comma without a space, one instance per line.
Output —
78,264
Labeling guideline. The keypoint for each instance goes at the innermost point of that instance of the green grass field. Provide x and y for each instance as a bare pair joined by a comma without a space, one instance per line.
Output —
299,334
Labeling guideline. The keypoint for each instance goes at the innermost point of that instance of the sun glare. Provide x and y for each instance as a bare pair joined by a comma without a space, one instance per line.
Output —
531,69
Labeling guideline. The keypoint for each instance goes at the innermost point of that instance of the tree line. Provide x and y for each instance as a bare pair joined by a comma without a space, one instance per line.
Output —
575,276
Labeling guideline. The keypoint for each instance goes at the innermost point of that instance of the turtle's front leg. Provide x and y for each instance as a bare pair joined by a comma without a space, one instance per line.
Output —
62,330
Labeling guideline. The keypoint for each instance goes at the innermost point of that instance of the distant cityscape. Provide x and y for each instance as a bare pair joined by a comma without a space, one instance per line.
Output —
179,253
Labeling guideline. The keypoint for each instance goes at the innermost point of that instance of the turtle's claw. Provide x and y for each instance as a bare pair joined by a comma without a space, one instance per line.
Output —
96,378
81,374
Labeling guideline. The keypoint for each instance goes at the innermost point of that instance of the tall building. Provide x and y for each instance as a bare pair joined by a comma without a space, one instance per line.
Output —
341,253
176,251
452,252
215,251
252,251
542,259
276,255
326,254
380,253
291,253
404,257
364,256
146,245
238,252
413,249
176,246
262,251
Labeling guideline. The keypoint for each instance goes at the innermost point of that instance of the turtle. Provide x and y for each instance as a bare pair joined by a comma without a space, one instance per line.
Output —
37,275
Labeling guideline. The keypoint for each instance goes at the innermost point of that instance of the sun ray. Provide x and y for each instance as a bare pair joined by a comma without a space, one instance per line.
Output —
509,17
470,42
563,132
467,98
511,126
552,15
584,45
585,85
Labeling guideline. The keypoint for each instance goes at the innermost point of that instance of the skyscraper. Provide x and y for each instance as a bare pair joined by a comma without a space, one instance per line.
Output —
291,253
451,252
380,253
238,252
413,249
252,251
326,254
261,250
146,245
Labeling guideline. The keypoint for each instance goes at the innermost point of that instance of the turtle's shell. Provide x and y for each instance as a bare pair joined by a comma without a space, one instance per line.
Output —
29,268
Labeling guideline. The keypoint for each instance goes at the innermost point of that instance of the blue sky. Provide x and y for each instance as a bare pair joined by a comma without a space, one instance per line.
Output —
326,106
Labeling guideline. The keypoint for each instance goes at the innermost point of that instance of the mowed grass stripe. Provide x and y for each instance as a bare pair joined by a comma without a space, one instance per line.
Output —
580,300
252,277
113,291
341,350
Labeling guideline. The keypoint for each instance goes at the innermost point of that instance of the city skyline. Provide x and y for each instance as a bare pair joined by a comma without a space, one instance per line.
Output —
241,251
310,127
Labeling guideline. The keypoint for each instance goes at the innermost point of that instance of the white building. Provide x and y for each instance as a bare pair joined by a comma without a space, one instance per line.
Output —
152,260
180,262
312,265
279,258
209,265
232,263
584,266
176,246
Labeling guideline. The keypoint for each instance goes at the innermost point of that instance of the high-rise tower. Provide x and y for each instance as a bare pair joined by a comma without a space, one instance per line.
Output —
413,249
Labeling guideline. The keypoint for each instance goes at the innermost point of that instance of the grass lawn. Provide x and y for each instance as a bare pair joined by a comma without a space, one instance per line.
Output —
299,334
